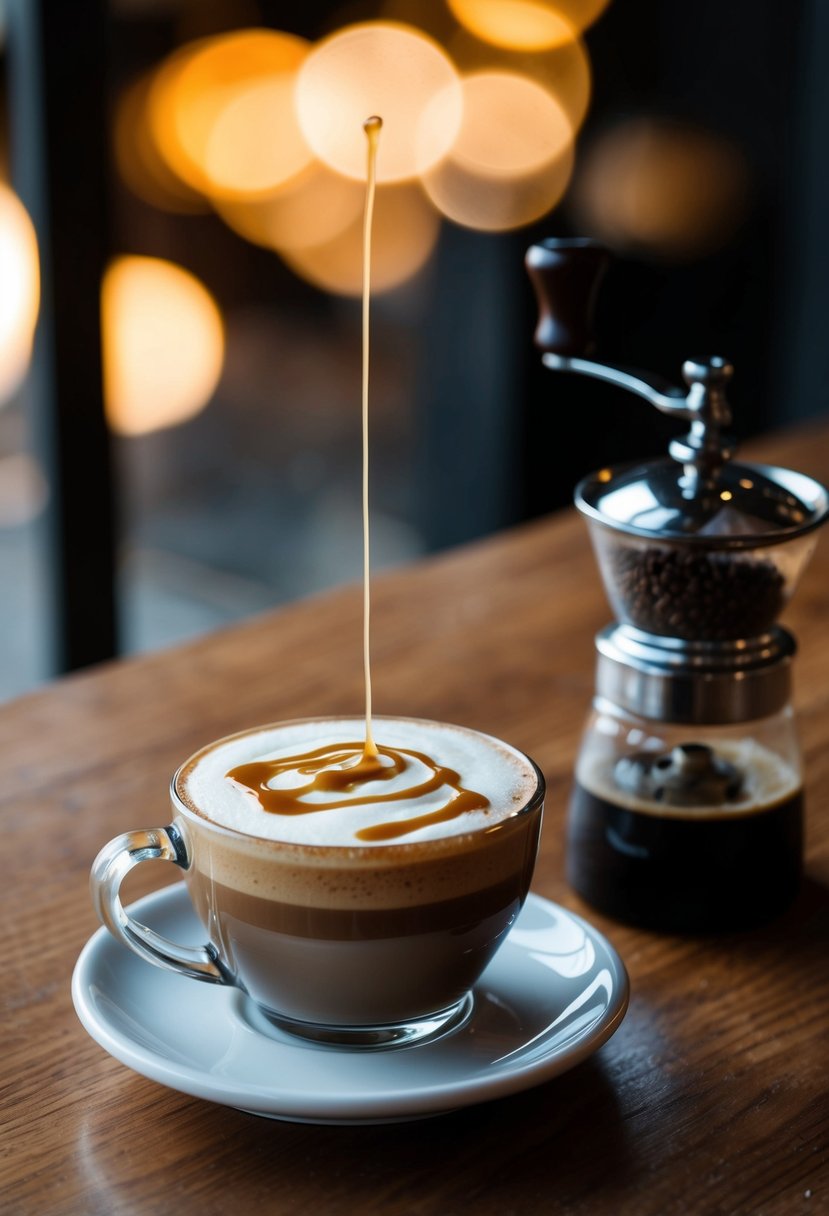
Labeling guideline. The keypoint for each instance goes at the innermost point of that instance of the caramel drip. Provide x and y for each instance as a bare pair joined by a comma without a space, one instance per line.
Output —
342,768
372,127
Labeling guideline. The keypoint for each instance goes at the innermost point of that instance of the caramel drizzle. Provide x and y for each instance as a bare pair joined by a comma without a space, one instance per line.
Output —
342,768
372,127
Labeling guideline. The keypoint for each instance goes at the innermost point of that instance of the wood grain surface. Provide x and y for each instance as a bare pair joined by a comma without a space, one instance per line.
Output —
711,1098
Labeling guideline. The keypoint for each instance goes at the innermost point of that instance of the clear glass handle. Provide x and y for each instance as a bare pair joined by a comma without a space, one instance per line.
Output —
109,869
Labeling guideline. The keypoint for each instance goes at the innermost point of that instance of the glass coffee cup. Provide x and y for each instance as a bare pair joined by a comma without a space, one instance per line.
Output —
338,941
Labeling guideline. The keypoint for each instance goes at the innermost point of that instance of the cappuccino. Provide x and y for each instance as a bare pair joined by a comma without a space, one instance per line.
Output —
328,929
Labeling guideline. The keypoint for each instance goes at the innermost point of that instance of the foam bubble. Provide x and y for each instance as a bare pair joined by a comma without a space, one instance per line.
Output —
486,765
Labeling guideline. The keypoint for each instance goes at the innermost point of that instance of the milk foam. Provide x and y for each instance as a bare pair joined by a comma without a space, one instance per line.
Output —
485,764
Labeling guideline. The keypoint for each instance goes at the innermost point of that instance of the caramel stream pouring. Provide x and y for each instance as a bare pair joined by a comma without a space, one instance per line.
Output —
342,768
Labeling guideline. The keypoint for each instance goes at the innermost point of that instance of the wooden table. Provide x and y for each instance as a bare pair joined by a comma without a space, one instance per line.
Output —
712,1096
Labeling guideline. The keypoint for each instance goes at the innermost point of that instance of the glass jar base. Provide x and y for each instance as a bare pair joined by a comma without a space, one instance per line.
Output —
423,1029
671,912
678,870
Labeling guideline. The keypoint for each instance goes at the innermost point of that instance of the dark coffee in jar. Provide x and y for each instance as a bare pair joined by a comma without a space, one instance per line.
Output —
686,867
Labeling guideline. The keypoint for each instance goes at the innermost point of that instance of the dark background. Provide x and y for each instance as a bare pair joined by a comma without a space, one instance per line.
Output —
471,433
750,70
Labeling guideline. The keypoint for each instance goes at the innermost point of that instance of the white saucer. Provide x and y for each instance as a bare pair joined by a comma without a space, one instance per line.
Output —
552,995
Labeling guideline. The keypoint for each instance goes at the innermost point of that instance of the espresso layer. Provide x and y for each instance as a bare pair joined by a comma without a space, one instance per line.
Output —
224,904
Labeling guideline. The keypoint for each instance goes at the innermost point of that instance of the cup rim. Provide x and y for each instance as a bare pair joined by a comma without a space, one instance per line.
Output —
410,851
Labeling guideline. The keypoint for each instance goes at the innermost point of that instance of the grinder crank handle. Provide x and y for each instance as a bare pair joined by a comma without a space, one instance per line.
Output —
566,276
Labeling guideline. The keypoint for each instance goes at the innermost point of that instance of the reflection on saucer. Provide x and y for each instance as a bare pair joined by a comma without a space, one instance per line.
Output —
556,940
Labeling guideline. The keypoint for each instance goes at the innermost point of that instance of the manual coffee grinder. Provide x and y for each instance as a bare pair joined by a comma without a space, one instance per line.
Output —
687,807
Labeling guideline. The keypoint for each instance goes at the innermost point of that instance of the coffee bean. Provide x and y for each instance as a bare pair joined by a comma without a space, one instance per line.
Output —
687,594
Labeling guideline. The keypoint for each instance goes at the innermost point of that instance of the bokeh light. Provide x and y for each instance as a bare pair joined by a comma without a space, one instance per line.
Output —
490,205
316,207
24,490
379,68
222,113
268,129
19,291
405,233
527,25
654,185
563,71
255,144
163,344
432,17
513,156
139,162
511,125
